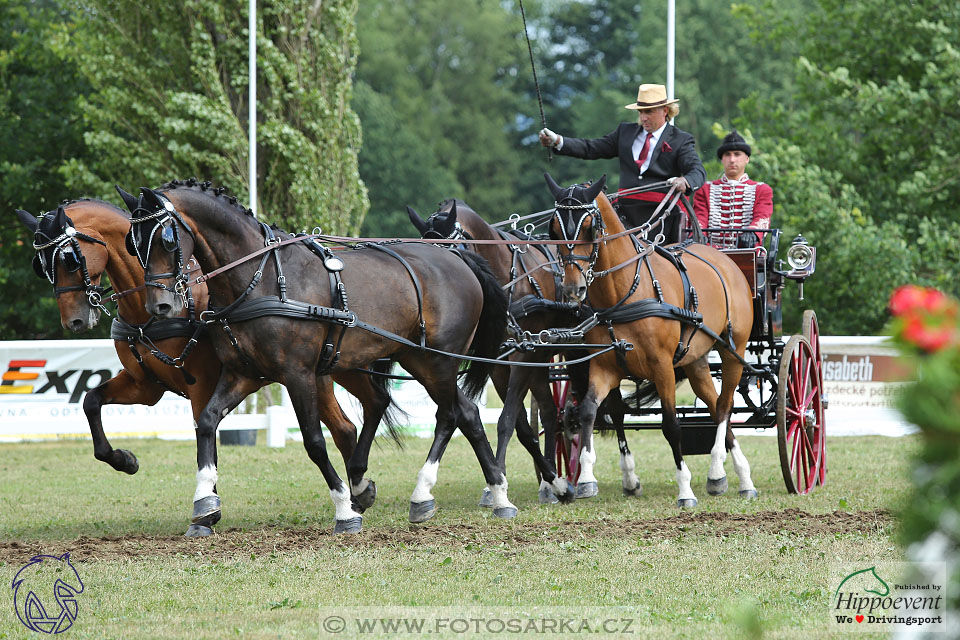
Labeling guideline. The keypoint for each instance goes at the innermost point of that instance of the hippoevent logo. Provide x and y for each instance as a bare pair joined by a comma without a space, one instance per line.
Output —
879,599
74,382
45,594
14,374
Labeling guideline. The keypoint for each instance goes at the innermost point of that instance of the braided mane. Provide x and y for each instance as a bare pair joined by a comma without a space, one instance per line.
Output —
206,185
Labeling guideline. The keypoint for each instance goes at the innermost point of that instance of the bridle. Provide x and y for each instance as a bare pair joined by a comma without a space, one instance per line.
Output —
591,212
169,222
67,247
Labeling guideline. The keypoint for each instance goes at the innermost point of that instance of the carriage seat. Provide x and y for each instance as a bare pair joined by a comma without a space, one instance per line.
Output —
746,259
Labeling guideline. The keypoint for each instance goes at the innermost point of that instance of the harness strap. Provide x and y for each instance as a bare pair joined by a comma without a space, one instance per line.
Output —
416,285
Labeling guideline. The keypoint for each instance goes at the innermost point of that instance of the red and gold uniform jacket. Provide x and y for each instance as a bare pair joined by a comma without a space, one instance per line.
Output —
733,204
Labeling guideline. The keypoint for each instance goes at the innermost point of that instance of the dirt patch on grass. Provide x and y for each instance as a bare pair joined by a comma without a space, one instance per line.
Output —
229,543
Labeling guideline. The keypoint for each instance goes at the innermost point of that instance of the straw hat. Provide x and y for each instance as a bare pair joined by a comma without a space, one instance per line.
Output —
651,96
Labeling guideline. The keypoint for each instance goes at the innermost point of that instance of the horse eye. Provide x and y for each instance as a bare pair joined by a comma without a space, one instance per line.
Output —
168,238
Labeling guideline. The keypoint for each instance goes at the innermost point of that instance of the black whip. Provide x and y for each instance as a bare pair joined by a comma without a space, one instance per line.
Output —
536,83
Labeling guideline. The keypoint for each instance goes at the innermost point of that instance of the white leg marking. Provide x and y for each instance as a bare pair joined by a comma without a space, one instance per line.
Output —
718,454
206,479
683,483
742,467
426,478
627,468
499,494
559,485
360,487
343,510
587,460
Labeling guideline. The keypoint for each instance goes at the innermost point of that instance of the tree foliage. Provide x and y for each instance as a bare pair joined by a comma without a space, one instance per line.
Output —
169,99
40,125
870,128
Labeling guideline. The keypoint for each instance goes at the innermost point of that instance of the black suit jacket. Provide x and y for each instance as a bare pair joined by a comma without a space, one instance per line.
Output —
681,160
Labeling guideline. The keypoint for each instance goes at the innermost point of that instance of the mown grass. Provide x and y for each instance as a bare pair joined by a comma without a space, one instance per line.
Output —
683,585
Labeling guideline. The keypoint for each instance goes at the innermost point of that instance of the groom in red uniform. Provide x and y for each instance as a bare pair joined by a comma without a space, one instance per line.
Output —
733,200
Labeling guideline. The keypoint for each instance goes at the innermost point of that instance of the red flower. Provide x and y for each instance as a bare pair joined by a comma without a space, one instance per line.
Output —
908,298
929,339
665,147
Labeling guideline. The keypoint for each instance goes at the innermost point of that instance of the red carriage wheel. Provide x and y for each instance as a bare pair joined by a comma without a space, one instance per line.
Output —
567,448
811,331
799,416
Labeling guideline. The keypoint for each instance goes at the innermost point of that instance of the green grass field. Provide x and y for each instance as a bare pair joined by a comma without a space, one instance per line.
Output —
728,569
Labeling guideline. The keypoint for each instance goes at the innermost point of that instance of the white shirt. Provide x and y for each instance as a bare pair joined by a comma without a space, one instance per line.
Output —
639,142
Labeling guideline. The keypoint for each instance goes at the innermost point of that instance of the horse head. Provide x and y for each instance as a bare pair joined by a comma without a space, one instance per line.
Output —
577,221
43,578
160,238
73,261
441,225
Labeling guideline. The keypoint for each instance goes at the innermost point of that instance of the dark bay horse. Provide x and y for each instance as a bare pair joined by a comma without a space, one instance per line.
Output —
642,300
534,306
533,280
284,316
82,240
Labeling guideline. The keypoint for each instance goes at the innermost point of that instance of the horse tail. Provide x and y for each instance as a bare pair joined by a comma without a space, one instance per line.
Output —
646,393
491,328
394,416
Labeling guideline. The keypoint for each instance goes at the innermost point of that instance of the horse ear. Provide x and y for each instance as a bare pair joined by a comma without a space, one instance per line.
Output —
594,190
128,198
451,219
555,189
28,220
150,197
417,220
61,217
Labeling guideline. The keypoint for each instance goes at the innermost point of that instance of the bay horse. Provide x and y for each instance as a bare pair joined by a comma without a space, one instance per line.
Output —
534,306
533,281
78,243
415,304
673,310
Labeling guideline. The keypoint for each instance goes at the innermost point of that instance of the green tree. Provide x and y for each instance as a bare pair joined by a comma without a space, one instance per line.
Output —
169,99
448,75
40,125
873,118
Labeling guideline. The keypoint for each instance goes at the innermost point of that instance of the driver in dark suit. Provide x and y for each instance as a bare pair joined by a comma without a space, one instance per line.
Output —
650,150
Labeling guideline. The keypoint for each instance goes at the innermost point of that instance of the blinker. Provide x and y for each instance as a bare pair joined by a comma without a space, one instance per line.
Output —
168,238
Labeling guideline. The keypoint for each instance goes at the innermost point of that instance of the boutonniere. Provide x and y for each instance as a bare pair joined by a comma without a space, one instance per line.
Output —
666,148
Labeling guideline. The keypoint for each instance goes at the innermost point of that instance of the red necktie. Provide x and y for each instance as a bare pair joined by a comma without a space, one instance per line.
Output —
644,152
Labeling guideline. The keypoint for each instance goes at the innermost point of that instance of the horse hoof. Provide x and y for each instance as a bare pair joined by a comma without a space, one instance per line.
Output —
569,495
547,496
351,525
206,511
129,463
636,492
750,494
197,531
486,499
506,513
687,503
365,499
717,487
587,490
422,511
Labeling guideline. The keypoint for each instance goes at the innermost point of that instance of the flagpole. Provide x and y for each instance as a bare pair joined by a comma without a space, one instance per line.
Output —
671,38
252,109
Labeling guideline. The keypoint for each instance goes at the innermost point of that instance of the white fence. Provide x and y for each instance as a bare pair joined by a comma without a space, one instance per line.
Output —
43,384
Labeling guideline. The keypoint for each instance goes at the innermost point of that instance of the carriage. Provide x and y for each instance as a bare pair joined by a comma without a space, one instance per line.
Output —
784,390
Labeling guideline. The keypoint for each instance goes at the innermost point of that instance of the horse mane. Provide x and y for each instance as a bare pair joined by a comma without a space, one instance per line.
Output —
220,193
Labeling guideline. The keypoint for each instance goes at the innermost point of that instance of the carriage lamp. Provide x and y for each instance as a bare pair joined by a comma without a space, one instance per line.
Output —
800,255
